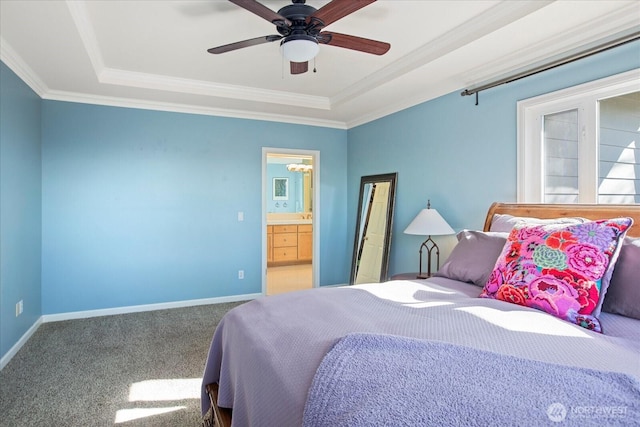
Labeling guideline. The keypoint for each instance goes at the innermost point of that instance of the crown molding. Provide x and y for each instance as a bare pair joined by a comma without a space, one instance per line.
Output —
188,109
22,70
80,17
387,110
611,26
487,22
198,87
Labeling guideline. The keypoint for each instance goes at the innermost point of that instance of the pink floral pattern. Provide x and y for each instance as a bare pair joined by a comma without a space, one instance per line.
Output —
558,268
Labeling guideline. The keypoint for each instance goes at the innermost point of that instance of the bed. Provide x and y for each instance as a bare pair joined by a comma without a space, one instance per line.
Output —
450,349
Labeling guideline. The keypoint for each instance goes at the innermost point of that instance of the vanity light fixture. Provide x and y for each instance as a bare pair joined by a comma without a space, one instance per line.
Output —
299,167
429,223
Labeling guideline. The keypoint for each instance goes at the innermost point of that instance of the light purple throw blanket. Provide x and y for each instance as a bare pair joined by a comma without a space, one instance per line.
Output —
386,380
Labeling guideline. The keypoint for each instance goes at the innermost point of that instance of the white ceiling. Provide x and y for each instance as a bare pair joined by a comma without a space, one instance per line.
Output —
153,54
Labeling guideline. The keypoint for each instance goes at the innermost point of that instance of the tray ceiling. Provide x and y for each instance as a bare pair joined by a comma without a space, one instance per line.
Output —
153,54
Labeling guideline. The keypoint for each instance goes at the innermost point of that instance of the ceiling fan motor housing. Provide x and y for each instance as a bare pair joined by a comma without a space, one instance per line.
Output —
298,13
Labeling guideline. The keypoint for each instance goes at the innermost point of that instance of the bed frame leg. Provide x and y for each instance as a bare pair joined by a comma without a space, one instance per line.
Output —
208,420
216,416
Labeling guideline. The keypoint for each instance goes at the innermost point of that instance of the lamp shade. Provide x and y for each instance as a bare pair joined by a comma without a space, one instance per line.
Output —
299,48
429,223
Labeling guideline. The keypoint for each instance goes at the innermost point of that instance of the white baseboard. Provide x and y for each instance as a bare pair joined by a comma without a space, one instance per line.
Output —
112,311
18,345
46,318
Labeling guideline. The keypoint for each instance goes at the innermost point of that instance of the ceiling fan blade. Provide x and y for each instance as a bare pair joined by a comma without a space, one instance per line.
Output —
337,9
354,43
262,11
299,67
245,43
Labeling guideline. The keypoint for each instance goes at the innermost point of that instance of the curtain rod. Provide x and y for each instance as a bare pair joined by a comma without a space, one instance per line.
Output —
553,64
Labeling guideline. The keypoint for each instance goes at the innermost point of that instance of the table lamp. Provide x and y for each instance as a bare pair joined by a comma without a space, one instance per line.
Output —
429,223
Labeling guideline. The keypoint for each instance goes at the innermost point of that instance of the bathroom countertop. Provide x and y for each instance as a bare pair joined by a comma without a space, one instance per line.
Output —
289,221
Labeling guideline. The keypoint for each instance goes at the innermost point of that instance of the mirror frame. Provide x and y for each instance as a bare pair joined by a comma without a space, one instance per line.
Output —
392,178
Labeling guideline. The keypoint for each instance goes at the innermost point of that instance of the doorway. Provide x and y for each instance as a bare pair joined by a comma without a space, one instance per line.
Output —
290,212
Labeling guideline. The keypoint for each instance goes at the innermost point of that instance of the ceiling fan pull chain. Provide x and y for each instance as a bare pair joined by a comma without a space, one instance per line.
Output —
314,64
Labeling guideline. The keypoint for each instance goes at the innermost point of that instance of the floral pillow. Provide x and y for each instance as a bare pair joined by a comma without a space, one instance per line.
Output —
559,268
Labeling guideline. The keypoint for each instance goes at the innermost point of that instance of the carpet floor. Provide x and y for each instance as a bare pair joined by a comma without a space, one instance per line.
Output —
138,369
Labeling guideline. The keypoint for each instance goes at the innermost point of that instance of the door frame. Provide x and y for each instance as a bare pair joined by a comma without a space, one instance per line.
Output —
315,259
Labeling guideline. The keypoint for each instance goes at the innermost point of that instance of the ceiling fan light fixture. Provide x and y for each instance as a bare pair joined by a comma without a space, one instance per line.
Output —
299,48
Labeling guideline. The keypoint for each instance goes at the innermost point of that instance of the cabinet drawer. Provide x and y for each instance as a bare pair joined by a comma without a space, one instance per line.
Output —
285,254
305,228
285,240
285,228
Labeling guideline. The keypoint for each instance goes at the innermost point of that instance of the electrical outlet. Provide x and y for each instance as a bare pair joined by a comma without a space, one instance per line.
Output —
240,216
19,308
240,274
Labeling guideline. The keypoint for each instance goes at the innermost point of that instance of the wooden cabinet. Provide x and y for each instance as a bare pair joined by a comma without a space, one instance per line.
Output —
305,242
285,243
289,244
269,243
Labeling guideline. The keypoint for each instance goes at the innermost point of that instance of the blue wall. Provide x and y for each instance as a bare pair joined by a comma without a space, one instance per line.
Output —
19,207
140,207
459,155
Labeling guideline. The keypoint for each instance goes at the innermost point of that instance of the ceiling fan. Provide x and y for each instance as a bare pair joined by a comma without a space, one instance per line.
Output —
300,29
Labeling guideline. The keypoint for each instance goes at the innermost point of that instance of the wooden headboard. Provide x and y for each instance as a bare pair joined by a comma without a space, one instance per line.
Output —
567,210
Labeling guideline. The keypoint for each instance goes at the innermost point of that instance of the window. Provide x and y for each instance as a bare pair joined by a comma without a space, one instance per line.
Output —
582,144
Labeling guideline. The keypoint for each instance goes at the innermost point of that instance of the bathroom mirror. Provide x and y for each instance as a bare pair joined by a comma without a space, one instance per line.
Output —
291,184
372,241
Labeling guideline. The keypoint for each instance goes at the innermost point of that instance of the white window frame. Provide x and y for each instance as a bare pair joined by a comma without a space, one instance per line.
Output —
583,97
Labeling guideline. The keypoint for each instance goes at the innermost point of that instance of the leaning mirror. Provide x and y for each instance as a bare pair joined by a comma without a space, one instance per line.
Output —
370,262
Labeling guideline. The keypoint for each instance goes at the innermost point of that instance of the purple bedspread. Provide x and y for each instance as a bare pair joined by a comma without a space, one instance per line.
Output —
265,353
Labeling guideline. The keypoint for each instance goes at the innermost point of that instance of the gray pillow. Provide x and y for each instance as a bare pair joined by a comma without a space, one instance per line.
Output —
505,222
472,260
623,293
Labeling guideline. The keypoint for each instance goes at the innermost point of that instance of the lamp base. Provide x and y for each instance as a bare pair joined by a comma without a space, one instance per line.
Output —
429,245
